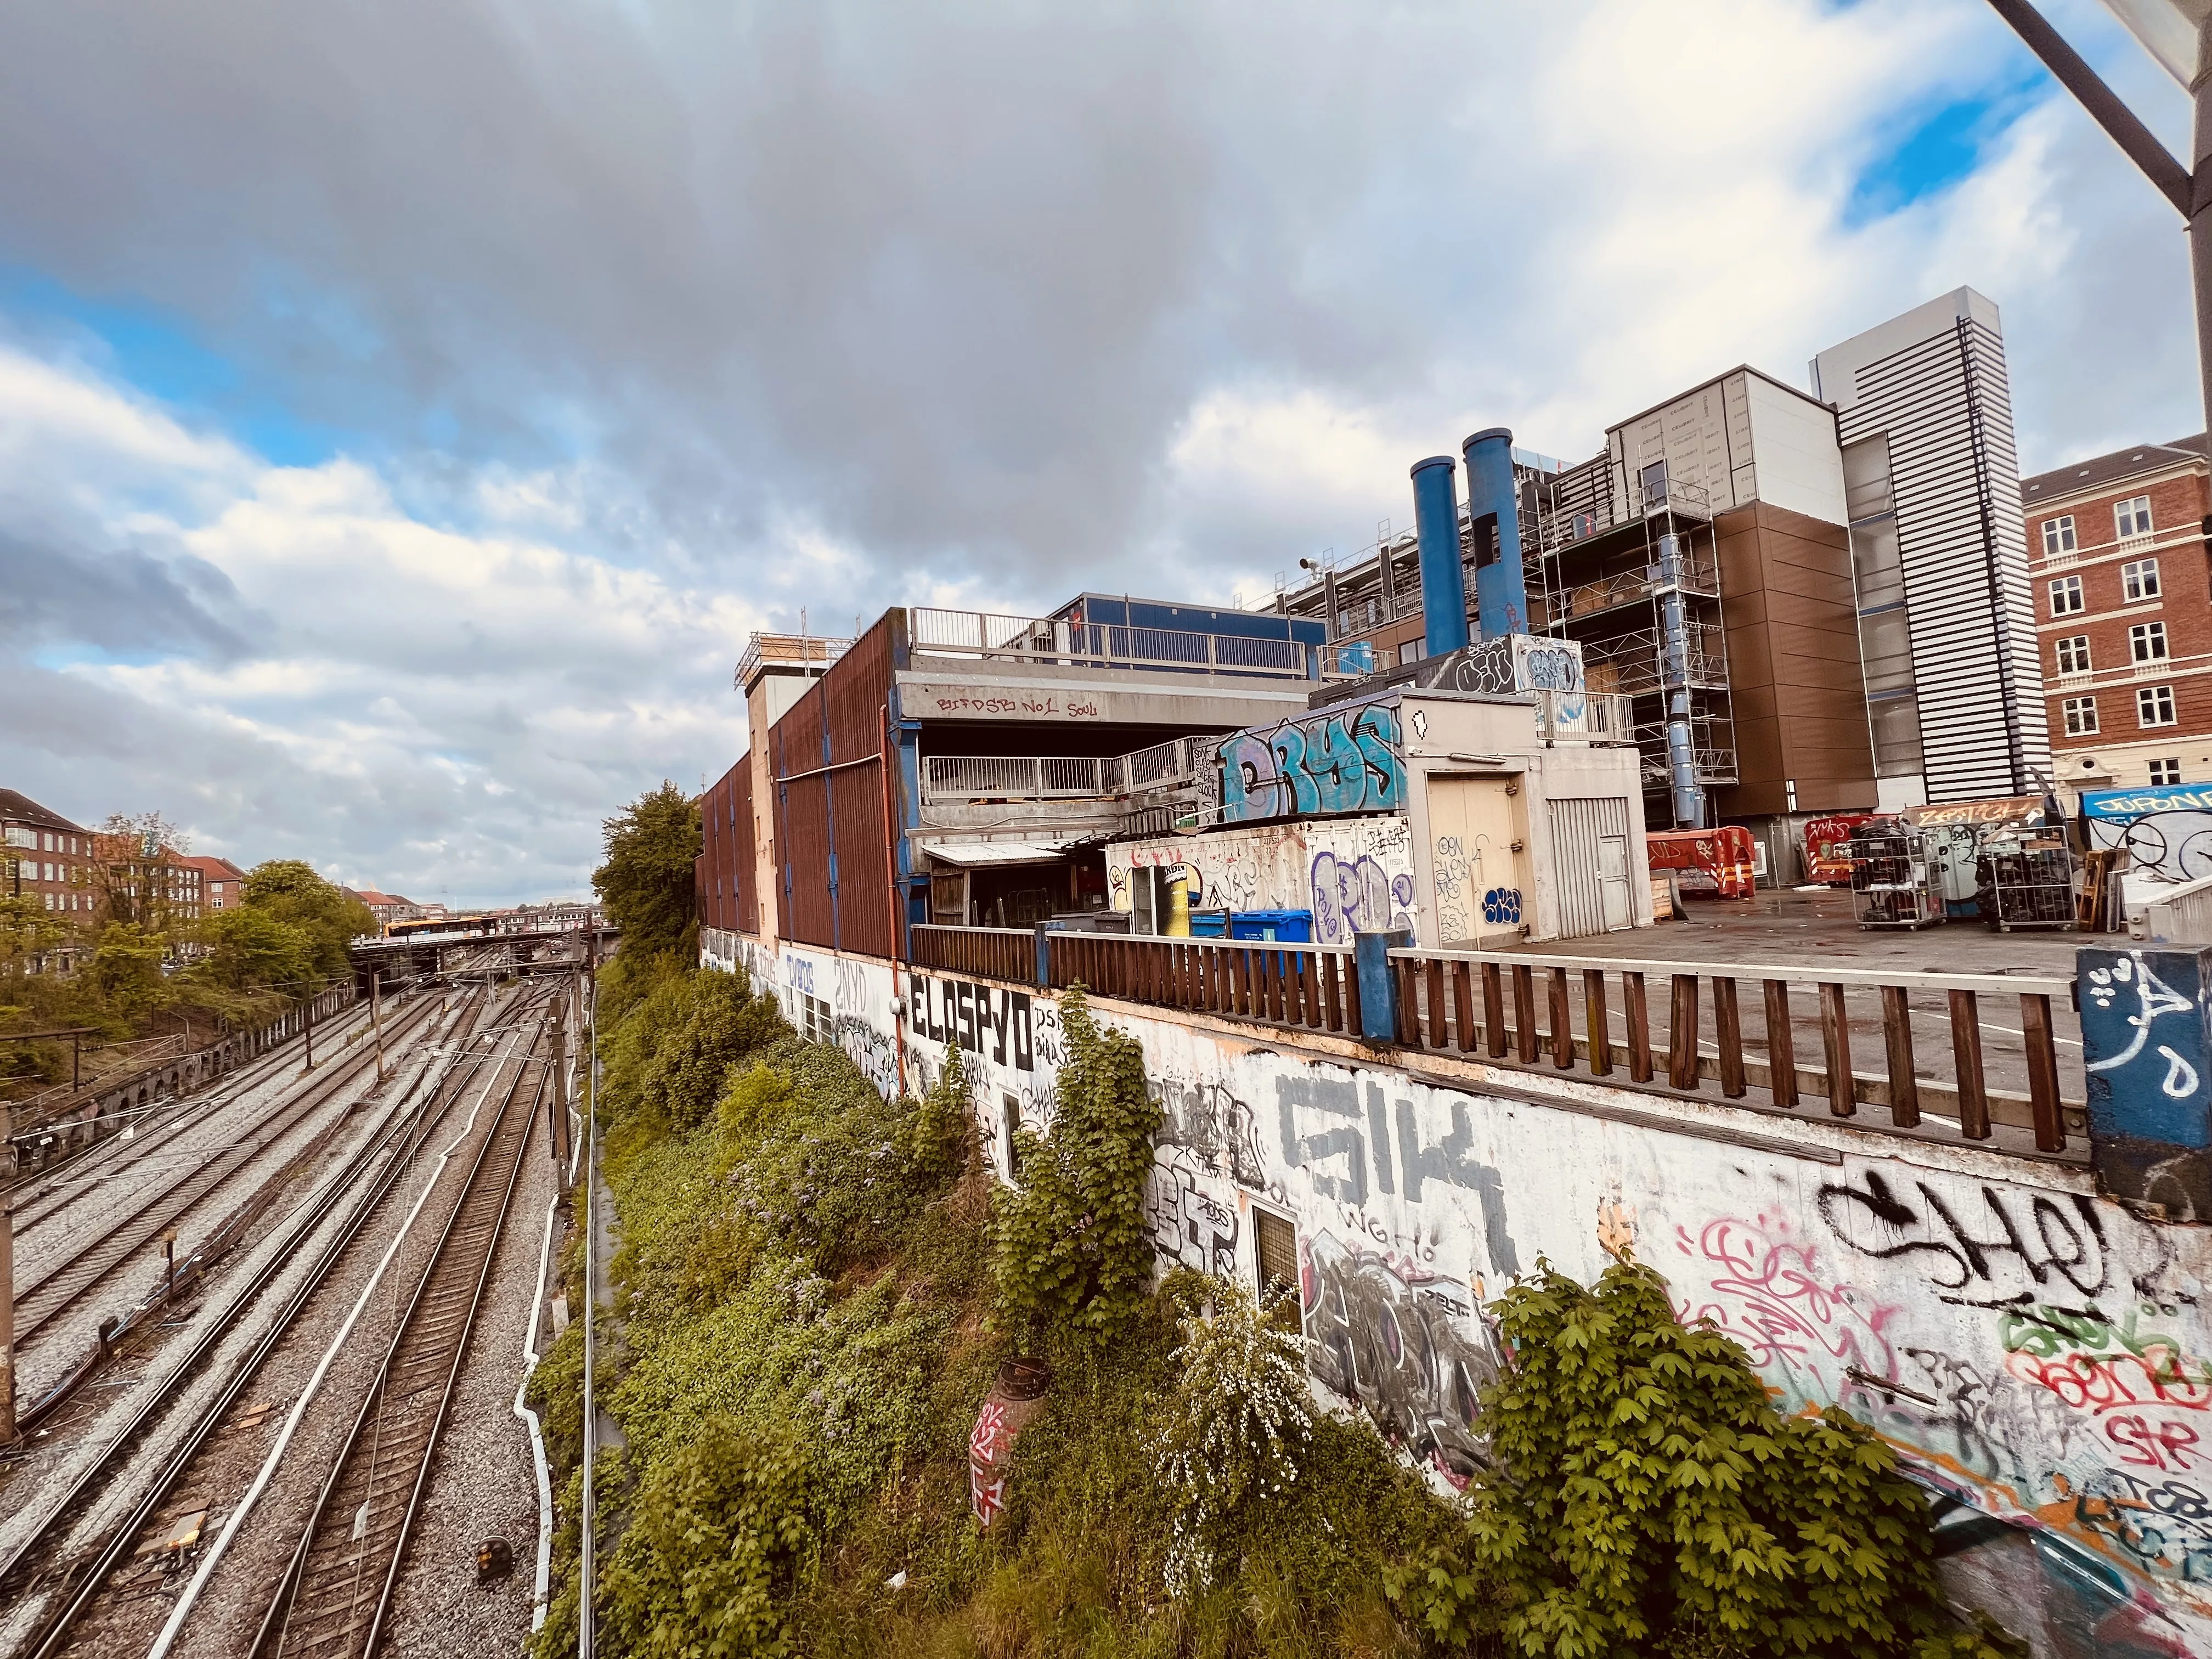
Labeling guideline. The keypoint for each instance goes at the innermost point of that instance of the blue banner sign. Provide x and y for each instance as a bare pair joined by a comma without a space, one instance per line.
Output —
2139,803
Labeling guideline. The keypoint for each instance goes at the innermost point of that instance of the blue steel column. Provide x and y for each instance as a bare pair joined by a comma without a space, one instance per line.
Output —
1443,582
1501,588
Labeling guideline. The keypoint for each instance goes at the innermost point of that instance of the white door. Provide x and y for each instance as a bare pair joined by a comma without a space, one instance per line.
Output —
1474,873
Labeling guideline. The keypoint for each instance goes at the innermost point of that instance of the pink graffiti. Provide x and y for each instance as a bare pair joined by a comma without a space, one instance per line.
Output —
990,1437
1777,1304
2168,1447
2108,1383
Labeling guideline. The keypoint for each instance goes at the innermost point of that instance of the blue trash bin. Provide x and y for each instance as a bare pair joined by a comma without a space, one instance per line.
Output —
1287,927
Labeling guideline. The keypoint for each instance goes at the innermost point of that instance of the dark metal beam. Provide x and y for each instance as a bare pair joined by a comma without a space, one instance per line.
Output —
2118,120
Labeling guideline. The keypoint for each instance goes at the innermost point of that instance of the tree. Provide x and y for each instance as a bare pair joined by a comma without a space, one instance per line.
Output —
127,965
133,855
248,949
646,883
288,891
27,929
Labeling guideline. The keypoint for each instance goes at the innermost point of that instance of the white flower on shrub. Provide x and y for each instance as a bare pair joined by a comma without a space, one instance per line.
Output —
1235,1429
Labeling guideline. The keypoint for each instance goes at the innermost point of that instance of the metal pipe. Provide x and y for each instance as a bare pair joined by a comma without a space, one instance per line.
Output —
1443,580
1689,800
2200,216
1501,588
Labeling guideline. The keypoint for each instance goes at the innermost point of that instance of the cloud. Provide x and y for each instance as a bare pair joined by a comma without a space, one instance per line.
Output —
620,330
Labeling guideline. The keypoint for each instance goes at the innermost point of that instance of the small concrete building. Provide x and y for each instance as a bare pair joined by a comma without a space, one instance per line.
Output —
1467,823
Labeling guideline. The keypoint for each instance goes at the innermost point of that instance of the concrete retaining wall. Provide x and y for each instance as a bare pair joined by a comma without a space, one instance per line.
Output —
2037,1353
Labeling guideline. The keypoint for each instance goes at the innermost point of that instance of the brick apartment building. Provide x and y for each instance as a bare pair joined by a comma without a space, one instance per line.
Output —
44,856
223,884
2118,547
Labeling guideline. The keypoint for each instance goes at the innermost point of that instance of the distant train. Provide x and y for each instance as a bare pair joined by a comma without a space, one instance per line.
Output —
443,926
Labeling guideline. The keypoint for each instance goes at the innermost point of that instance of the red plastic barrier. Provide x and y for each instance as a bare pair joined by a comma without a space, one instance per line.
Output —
1713,863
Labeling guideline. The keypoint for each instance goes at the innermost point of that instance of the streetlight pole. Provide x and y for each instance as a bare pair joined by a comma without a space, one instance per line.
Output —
2179,34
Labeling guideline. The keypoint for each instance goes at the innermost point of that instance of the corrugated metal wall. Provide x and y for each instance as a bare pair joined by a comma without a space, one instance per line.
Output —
744,880
1578,827
725,847
828,752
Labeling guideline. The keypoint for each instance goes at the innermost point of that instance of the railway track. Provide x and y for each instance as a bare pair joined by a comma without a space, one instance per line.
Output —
44,1297
333,1599
58,1183
70,1573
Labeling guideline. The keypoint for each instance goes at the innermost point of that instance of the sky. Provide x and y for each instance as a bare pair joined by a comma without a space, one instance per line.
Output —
407,410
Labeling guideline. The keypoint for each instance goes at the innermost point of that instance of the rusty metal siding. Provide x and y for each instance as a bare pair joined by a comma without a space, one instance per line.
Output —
1578,827
827,756
744,880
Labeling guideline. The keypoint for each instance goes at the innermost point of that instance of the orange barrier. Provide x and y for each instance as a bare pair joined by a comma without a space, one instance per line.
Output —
1712,863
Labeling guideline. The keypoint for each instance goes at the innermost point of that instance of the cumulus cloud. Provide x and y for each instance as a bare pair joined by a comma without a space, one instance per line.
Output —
628,328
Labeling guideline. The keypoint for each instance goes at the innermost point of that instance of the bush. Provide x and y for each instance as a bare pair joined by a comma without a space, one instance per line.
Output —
723,1021
703,1569
1071,1252
1236,1427
1648,1497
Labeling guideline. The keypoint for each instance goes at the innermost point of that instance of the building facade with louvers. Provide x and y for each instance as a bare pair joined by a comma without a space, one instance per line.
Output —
1947,619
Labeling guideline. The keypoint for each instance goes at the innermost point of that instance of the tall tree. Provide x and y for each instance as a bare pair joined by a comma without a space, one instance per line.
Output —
289,890
646,883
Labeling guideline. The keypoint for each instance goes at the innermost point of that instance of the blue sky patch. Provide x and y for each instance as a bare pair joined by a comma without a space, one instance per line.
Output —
1942,149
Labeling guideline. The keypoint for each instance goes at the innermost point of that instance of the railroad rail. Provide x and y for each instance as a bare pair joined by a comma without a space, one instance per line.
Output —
46,1561
336,1595
42,1299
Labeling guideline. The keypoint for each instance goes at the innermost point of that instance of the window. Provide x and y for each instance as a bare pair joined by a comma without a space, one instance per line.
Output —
2139,580
2146,641
2154,705
2074,655
1276,1257
2058,535
2066,596
2132,518
1866,479
2081,717
1653,479
2166,773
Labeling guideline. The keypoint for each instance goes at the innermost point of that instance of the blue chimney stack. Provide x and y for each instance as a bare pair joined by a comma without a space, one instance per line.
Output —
1443,583
1493,511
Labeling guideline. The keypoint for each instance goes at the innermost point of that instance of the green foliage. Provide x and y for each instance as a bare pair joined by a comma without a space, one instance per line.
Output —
1071,1250
249,948
1236,1427
1647,1493
288,891
718,1531
944,1120
27,929
126,967
645,882
722,1022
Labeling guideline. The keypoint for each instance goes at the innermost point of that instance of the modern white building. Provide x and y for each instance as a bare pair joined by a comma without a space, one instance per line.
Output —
1939,552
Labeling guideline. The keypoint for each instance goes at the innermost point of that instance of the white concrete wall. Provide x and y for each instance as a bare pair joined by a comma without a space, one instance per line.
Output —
1355,874
2035,1351
1801,465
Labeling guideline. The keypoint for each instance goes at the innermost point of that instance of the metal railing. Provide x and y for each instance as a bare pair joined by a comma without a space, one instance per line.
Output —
1489,1006
1063,777
1585,716
809,652
1637,659
1313,986
1008,953
1102,645
1697,574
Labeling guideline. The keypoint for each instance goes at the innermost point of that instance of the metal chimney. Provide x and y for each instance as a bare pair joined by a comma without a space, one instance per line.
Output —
1443,583
1501,590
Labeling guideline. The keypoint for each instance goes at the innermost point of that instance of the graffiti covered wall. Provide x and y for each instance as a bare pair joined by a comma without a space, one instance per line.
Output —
2040,1355
1354,874
1344,760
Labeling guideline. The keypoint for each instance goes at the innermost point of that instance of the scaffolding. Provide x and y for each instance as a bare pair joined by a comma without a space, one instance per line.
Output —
1626,567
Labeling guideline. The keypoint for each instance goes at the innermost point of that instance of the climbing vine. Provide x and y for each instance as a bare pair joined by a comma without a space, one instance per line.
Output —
1646,1497
1070,1251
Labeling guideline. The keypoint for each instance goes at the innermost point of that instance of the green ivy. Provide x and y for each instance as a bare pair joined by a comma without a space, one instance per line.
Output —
717,1533
1647,1497
1071,1252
